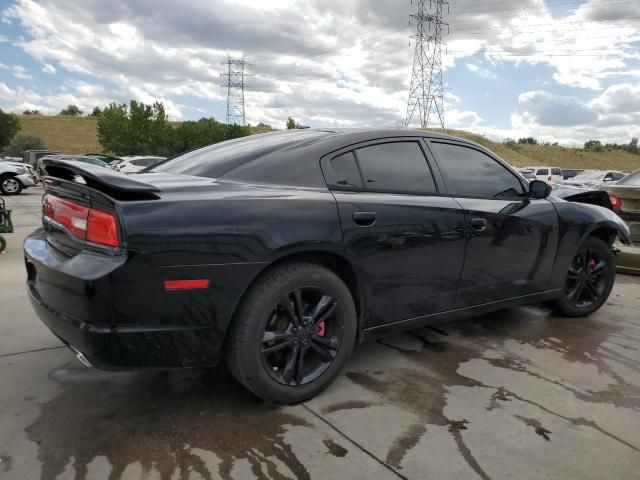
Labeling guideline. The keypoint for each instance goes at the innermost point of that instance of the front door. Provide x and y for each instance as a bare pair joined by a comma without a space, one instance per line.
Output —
512,238
405,238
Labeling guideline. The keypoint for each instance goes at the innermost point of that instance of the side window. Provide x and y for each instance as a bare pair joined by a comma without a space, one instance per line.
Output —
556,171
618,176
543,171
470,172
345,171
395,167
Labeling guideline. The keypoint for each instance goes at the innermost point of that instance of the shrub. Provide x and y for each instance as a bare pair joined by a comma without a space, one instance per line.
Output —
21,143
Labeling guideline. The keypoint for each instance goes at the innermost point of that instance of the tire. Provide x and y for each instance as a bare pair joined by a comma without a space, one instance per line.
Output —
3,244
269,310
593,269
9,185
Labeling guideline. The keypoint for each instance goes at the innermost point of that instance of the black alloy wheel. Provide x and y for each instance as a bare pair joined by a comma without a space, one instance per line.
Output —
302,336
292,333
587,278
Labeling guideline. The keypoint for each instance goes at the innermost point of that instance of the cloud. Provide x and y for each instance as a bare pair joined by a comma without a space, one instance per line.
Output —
544,108
482,72
3,39
20,72
327,62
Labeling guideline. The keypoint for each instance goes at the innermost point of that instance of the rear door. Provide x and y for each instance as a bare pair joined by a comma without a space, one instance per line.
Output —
512,237
405,237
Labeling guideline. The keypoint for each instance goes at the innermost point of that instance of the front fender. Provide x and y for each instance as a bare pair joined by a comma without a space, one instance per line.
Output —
576,222
605,218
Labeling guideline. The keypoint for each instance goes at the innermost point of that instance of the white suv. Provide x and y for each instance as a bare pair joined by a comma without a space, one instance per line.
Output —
14,177
547,174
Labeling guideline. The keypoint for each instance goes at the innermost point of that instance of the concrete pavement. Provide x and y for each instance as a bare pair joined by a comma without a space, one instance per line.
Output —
515,394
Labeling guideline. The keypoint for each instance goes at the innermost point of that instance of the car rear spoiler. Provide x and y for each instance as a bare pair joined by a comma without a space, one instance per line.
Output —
103,179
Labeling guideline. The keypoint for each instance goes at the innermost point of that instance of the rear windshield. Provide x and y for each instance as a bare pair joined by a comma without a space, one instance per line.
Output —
219,159
632,180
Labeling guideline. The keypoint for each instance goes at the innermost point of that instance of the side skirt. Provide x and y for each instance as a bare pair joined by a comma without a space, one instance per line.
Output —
412,323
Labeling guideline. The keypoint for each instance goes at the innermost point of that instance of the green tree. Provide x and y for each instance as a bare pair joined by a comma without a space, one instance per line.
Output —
21,143
113,129
633,145
528,141
594,145
139,129
31,112
291,123
9,126
71,111
95,112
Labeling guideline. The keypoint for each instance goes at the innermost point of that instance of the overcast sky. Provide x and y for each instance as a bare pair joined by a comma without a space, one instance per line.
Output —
564,70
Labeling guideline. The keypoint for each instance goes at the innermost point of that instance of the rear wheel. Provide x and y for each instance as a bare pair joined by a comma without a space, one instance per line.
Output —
589,280
293,333
10,185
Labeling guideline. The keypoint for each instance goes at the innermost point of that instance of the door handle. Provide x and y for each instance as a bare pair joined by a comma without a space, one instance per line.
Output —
478,225
364,219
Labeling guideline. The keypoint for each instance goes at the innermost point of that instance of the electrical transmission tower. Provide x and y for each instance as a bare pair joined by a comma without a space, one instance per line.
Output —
426,91
233,79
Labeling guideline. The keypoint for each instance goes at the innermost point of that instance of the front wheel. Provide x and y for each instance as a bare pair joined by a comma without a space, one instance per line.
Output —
589,280
10,186
293,333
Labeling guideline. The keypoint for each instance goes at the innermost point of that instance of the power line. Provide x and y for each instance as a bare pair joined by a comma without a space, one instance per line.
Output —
234,81
426,89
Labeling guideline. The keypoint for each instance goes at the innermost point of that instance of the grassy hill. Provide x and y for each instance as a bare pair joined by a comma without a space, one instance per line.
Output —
63,134
525,155
79,135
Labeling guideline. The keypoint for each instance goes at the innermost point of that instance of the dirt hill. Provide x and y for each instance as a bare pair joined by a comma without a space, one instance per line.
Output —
79,135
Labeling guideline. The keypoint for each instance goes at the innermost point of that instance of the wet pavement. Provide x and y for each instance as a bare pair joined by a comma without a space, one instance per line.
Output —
514,394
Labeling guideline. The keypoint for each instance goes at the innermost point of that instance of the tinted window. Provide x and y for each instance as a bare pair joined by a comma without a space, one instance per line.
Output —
618,176
399,167
543,171
470,172
345,171
556,171
219,159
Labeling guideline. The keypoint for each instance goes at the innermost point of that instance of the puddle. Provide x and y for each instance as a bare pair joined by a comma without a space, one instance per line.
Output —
157,420
438,353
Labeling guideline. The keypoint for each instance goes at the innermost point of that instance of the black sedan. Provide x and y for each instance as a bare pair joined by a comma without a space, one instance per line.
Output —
278,252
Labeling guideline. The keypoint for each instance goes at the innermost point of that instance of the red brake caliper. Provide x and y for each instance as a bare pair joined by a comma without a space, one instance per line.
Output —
592,264
320,329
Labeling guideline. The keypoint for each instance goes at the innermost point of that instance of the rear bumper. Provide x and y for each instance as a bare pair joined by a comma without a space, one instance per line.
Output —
26,180
115,312
132,347
628,260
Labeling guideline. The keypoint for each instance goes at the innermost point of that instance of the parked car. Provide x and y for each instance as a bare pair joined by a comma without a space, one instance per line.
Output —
108,159
76,158
281,250
569,173
136,164
32,158
547,174
15,177
594,178
625,198
528,173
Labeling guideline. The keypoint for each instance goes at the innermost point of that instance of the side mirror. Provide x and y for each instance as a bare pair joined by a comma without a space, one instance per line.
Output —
539,189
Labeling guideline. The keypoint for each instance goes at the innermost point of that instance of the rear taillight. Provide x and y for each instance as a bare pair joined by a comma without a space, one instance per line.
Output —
550,178
84,223
615,202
